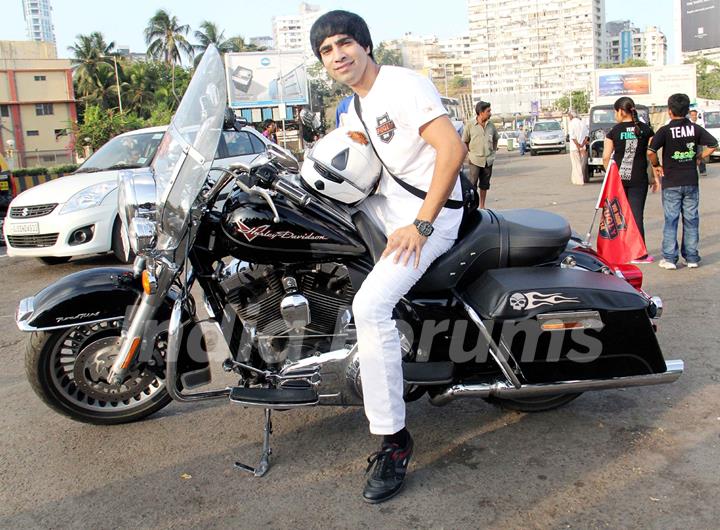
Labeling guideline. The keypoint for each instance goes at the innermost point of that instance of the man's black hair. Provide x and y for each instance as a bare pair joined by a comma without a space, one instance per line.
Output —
481,106
267,123
679,104
340,23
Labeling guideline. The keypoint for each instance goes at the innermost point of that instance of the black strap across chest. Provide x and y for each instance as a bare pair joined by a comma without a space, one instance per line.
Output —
420,194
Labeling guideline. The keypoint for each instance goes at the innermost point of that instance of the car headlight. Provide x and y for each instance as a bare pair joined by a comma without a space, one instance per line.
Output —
89,197
599,135
137,208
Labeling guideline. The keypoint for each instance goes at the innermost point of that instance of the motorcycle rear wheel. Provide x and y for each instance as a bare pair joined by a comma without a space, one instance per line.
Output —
65,367
534,404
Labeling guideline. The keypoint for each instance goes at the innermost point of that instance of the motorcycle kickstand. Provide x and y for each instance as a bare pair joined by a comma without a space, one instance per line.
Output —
264,464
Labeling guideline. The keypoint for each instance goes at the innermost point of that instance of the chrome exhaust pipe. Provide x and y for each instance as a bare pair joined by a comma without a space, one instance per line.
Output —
501,389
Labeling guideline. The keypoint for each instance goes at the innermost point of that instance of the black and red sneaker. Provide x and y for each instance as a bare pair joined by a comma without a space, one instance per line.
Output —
389,466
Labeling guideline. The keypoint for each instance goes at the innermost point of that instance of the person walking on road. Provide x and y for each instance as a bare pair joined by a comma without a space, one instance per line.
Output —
627,145
578,151
481,138
701,161
409,129
680,140
522,140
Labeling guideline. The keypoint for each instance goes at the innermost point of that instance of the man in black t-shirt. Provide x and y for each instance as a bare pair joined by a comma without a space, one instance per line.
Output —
680,140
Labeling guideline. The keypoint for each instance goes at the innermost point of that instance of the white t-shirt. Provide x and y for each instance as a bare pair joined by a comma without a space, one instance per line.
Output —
578,132
398,104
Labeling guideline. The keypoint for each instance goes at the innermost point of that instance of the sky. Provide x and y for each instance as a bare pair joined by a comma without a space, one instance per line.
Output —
124,21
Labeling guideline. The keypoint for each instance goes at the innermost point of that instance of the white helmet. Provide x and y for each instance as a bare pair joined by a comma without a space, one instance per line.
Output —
342,166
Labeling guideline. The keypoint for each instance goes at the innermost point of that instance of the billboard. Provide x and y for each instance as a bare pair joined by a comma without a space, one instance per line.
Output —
624,84
700,22
626,46
266,79
649,85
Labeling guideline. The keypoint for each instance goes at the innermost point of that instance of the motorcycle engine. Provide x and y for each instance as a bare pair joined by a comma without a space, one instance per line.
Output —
289,314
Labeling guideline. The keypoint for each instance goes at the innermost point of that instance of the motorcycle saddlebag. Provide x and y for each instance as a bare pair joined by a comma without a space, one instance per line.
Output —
564,324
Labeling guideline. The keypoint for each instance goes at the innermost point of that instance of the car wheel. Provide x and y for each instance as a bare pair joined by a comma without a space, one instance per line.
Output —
533,152
118,248
53,260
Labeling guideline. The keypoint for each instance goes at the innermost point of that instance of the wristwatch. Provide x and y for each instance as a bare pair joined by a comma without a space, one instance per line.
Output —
424,227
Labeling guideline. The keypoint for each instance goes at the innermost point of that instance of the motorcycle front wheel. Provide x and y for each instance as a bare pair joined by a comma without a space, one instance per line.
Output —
67,369
535,404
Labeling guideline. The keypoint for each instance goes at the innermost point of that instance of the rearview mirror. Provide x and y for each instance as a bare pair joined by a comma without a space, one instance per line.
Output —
283,157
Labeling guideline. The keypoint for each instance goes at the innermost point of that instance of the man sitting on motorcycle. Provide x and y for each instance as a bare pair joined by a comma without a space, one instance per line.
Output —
415,140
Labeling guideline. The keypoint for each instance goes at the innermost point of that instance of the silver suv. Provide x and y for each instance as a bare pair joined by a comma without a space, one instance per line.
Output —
547,136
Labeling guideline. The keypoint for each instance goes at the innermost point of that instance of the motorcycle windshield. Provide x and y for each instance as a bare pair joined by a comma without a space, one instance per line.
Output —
188,148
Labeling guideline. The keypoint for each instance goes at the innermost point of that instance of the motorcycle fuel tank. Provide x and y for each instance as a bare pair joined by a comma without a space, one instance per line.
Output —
250,233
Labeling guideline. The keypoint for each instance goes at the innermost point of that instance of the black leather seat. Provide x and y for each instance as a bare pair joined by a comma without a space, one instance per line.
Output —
487,240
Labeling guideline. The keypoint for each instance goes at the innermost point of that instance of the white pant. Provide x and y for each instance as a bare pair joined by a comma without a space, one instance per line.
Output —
378,339
578,162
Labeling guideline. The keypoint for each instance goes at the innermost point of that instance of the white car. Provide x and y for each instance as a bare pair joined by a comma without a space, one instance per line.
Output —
77,215
504,136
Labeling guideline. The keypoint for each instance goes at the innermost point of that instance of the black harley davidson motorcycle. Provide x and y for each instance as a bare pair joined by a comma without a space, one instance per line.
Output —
522,313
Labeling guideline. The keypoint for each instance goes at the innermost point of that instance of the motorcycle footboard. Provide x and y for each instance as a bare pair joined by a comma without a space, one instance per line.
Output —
564,325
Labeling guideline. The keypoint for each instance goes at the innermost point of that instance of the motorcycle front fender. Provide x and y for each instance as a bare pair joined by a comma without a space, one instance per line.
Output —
85,297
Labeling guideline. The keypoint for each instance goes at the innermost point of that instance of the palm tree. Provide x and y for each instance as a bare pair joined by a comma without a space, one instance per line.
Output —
89,55
210,34
165,37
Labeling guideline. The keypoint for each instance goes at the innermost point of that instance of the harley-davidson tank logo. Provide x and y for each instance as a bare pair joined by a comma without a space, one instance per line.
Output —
358,137
265,231
533,299
613,219
386,128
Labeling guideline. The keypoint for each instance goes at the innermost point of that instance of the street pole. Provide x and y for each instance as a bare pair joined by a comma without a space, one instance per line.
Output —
117,84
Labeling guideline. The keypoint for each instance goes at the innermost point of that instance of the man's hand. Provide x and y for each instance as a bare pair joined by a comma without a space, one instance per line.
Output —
405,241
658,171
655,185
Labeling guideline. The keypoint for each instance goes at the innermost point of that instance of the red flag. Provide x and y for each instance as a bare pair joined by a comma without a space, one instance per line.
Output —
619,240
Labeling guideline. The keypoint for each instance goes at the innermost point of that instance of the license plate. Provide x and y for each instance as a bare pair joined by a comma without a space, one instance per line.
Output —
22,228
596,161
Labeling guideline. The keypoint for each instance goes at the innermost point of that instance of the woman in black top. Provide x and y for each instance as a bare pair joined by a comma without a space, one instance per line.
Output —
627,144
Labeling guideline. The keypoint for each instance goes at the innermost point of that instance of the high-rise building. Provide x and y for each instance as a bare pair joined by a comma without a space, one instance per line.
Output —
625,41
526,54
38,20
292,32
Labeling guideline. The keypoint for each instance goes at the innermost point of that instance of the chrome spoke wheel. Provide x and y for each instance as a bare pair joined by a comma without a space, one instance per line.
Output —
79,364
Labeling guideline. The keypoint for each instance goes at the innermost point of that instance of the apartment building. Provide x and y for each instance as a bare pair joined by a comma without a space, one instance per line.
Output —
292,32
625,41
38,20
37,104
526,54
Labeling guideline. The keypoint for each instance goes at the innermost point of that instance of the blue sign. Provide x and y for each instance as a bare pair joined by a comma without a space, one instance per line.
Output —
265,61
626,46
534,108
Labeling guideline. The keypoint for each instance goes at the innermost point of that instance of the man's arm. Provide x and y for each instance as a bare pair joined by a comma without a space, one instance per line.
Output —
450,153
608,148
708,141
656,143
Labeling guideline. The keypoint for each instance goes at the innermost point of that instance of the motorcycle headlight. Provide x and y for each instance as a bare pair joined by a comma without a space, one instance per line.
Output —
599,135
89,197
136,206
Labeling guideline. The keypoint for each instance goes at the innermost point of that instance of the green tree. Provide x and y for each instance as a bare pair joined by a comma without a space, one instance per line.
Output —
708,77
630,63
101,125
166,40
89,58
209,34
578,101
385,55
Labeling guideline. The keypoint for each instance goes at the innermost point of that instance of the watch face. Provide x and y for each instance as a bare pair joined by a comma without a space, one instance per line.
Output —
424,227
